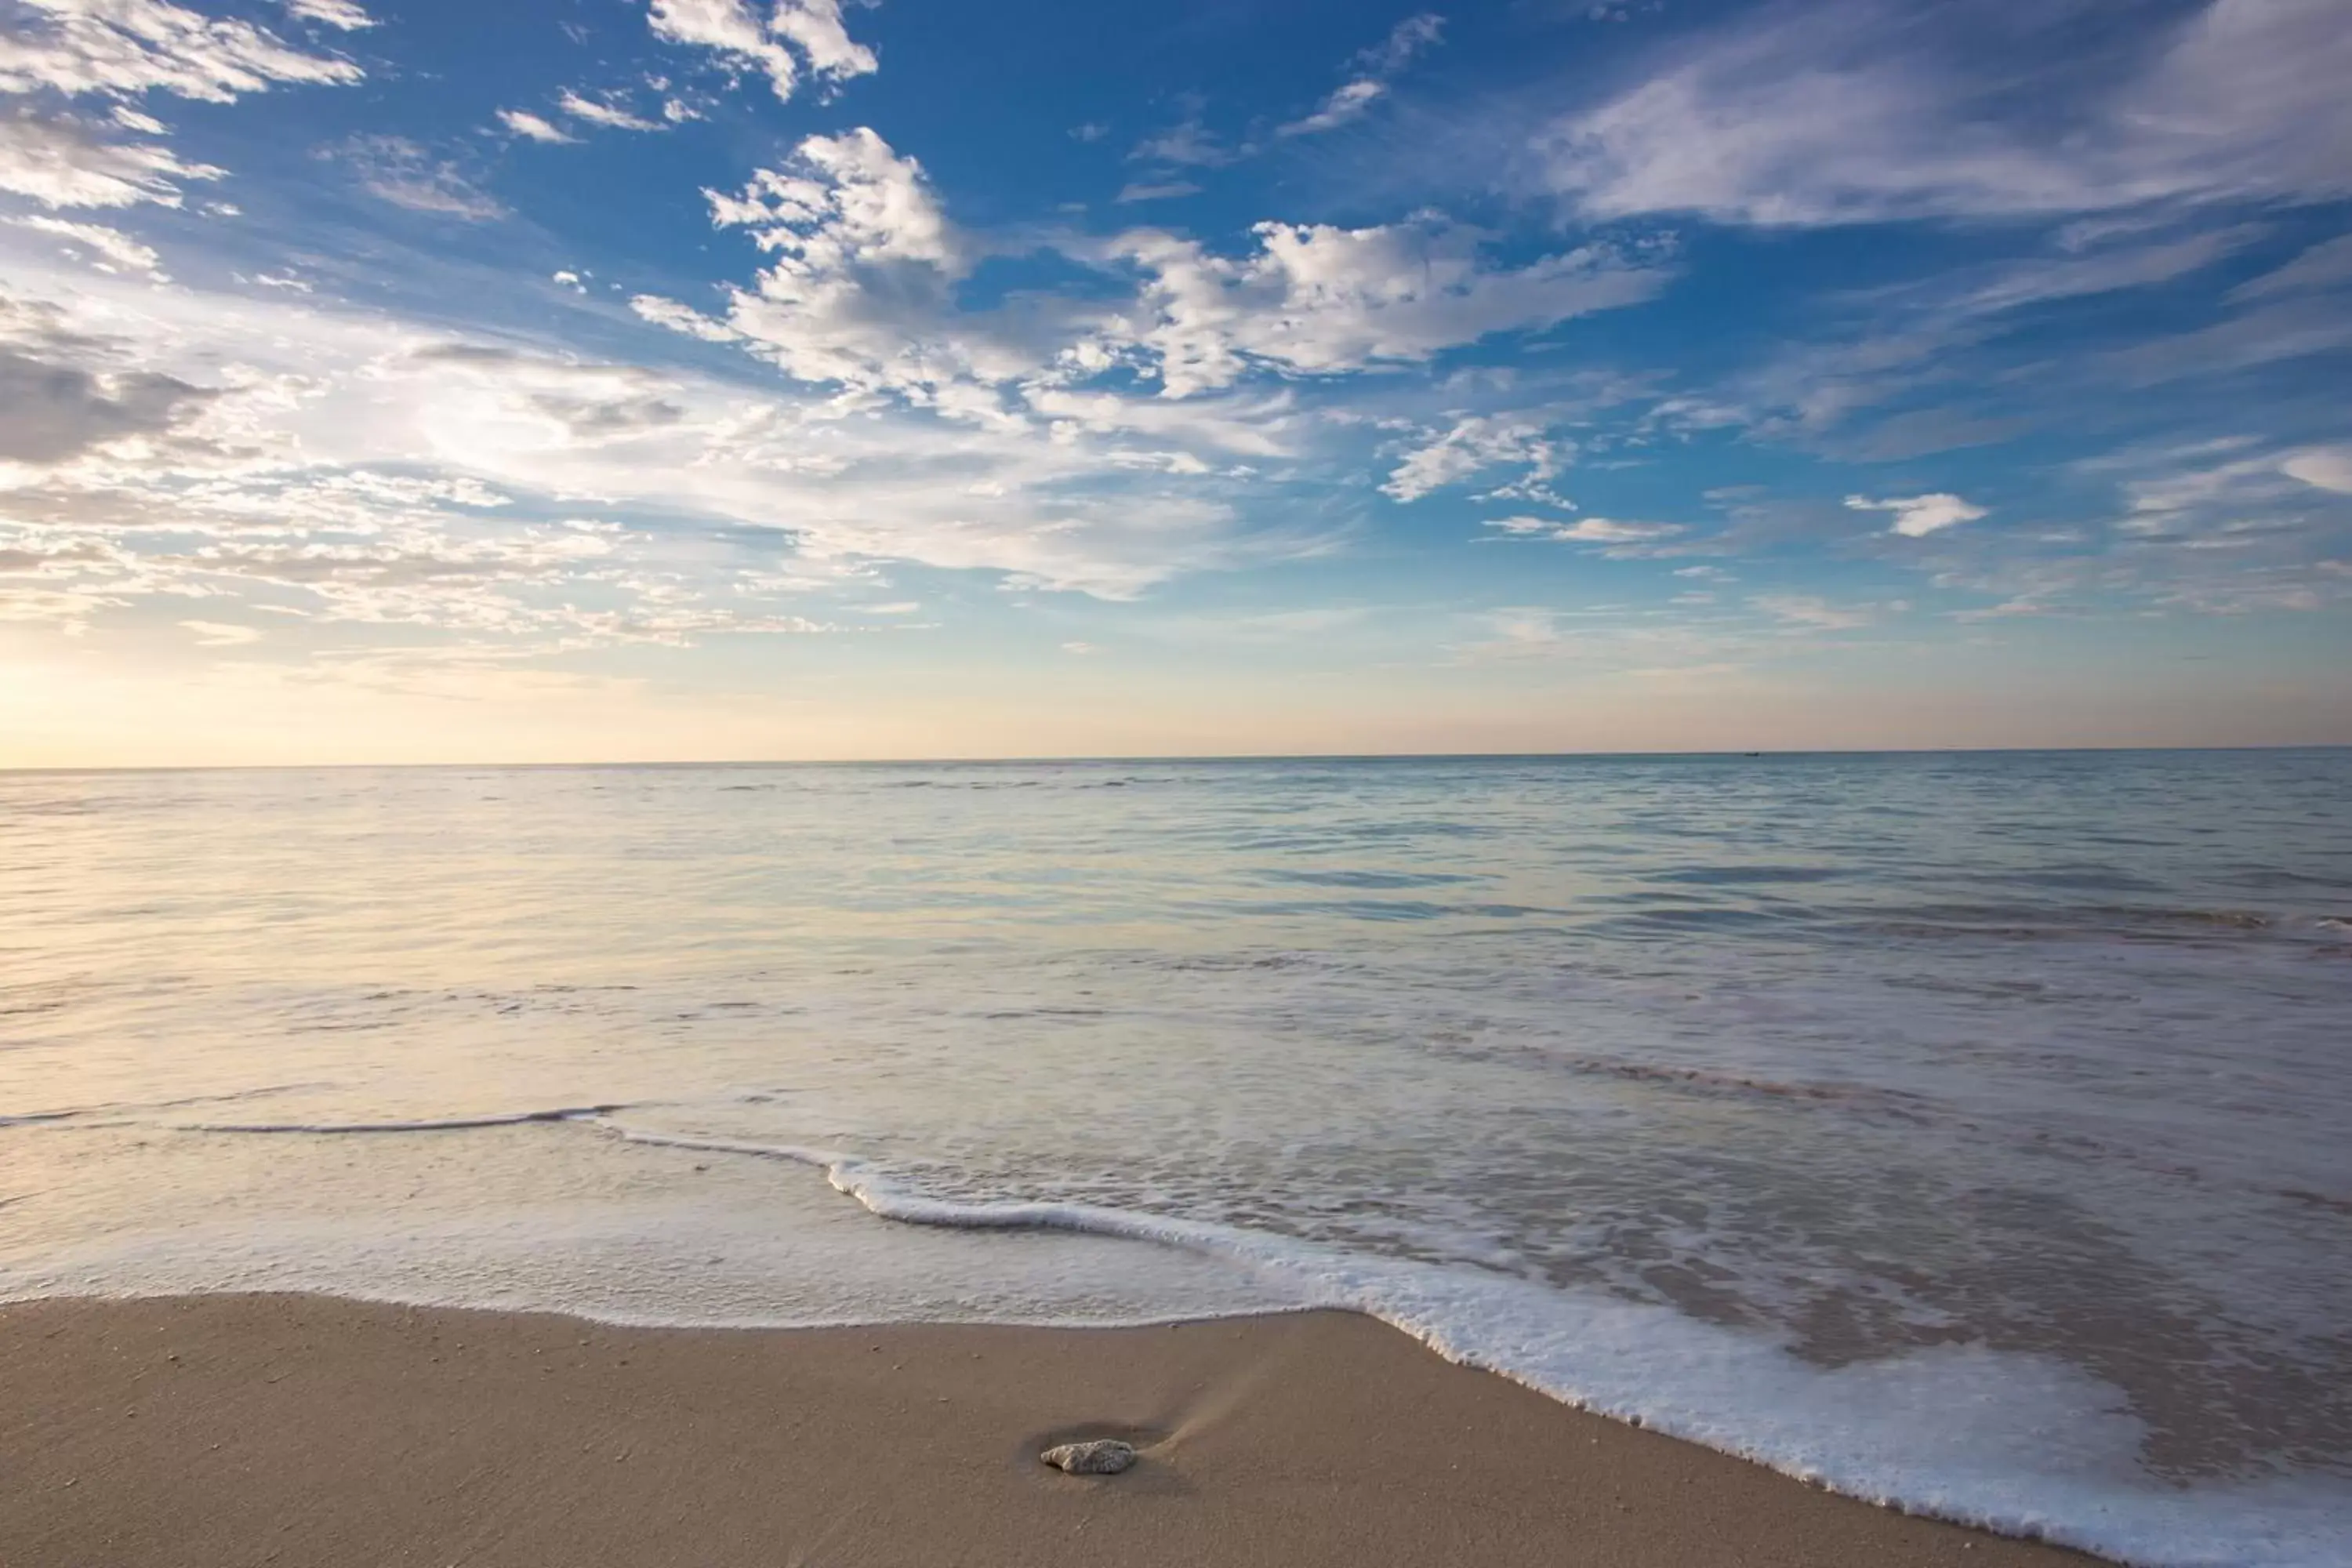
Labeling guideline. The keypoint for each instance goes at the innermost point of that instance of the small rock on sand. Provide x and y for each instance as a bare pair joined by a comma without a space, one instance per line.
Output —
1103,1456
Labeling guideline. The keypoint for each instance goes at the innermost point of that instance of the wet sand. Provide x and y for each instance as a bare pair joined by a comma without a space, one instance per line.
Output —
228,1430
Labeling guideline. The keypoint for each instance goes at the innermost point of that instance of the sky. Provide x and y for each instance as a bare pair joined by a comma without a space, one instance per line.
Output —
577,380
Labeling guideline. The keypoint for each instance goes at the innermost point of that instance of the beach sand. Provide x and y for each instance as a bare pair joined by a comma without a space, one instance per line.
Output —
218,1431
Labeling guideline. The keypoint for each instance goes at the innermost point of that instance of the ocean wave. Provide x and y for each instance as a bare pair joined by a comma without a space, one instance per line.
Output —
1942,1432
1736,874
2049,922
1367,878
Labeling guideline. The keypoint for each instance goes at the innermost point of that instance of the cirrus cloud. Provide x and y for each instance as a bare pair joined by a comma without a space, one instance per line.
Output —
1876,110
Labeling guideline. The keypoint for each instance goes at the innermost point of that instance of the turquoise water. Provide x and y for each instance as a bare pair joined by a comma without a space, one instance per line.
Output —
1966,1130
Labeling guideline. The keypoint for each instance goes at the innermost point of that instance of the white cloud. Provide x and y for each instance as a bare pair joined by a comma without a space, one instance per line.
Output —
2223,526
1405,40
1319,298
862,291
575,403
67,611
221,634
1187,145
2207,489
1813,614
1143,191
408,174
2275,329
1522,634
815,25
1613,531
846,199
1608,531
1474,444
522,122
2322,267
1916,517
129,47
1347,101
1254,426
274,482
61,162
53,411
682,318
735,32
115,250
1873,110
122,49
344,13
1380,65
2107,271
603,112
1915,340
2322,467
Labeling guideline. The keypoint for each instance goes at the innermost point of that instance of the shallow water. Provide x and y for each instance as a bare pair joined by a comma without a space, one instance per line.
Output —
1963,1130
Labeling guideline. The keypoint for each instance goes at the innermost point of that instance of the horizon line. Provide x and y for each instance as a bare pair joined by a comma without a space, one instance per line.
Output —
1114,758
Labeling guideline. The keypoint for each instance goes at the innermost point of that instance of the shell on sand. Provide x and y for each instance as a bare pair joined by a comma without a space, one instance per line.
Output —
1102,1457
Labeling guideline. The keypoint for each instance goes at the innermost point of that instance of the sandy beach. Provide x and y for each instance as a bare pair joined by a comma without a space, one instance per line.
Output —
248,1429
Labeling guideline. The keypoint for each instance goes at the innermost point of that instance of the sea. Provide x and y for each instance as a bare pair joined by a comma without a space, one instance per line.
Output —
1967,1132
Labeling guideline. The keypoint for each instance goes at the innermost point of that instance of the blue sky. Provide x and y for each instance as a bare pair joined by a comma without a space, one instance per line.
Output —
406,380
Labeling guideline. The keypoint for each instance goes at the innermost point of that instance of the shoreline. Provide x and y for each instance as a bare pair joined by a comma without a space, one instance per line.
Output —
253,1428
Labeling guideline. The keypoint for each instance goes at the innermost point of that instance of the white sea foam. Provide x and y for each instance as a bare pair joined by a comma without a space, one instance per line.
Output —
2026,1444
2022,1443
537,1216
